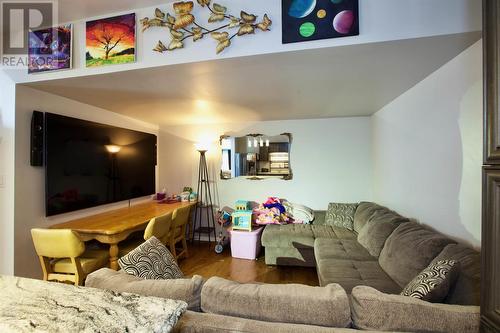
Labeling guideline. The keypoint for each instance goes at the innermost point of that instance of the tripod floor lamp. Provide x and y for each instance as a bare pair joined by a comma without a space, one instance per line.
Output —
204,206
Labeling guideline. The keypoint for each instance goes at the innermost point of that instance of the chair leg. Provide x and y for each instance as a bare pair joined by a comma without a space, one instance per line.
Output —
172,249
184,246
79,275
45,263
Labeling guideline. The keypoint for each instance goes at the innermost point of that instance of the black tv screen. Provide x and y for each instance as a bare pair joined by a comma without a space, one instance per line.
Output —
90,164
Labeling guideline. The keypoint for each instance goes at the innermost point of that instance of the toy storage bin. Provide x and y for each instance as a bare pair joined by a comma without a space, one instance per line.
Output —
246,244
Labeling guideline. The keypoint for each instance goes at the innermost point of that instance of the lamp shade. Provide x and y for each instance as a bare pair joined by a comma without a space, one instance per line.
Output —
202,146
113,149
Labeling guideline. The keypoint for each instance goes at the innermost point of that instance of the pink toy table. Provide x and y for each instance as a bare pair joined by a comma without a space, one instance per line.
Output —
246,244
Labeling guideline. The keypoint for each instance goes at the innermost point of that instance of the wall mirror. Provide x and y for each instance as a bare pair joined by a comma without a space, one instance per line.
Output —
256,156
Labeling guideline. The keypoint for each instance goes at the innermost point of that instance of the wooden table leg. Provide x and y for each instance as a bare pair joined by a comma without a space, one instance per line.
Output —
113,256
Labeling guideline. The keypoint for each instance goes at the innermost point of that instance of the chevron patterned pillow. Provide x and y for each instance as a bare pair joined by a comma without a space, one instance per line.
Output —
433,283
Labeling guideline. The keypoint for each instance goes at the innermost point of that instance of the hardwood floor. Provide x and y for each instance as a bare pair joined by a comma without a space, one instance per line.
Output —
205,262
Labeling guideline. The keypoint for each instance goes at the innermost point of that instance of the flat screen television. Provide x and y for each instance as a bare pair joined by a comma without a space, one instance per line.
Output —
90,164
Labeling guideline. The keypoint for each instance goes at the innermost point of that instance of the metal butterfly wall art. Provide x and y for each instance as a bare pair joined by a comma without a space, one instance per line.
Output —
183,25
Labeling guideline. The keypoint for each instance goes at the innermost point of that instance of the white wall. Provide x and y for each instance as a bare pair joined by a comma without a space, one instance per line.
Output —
380,20
427,149
30,181
7,126
330,160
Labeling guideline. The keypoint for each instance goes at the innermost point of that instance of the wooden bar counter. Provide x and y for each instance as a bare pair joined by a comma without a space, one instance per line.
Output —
114,226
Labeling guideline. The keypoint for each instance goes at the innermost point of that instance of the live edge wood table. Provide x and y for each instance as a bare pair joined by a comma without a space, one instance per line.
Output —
114,226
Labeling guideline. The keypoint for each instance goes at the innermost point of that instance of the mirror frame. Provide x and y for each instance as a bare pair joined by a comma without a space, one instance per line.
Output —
286,177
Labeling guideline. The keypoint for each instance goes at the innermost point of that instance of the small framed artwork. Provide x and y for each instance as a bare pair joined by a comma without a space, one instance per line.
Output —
50,49
110,41
304,20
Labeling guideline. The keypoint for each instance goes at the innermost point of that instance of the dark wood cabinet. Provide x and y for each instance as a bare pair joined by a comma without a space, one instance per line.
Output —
491,31
490,247
490,262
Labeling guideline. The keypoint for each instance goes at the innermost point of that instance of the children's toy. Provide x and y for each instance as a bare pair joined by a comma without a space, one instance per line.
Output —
222,242
242,220
242,205
224,219
271,212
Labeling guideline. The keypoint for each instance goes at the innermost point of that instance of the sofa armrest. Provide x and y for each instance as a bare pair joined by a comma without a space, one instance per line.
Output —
374,310
187,289
319,217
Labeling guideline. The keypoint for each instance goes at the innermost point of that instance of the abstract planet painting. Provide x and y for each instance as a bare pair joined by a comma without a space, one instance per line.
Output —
301,8
304,20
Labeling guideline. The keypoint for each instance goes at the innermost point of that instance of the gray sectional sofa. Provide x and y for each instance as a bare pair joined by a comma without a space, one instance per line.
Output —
384,250
219,305
361,273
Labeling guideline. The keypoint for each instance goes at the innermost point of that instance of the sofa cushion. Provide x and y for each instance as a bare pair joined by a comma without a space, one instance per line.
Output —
380,225
187,290
352,273
363,212
194,322
286,303
409,249
328,231
290,256
319,217
325,248
341,214
151,260
374,310
433,283
467,288
289,235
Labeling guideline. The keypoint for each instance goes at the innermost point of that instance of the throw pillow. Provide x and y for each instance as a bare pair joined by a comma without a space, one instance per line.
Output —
152,261
433,283
341,215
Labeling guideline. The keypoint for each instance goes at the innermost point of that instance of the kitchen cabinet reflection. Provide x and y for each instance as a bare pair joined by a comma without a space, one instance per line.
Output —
256,156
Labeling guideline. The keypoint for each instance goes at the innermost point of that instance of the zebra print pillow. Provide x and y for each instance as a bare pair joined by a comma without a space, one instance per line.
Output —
434,282
151,261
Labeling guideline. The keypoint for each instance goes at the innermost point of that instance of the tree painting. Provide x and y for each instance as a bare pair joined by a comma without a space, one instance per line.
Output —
110,41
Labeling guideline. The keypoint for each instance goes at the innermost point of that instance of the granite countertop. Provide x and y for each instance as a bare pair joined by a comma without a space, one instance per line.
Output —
37,306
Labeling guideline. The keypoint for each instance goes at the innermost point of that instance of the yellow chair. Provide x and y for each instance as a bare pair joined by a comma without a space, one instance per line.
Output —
63,256
158,227
178,232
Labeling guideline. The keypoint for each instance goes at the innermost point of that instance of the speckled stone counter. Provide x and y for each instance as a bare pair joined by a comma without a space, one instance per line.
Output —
37,306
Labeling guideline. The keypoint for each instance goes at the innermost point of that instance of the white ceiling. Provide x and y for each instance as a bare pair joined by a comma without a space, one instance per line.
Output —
74,10
353,80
